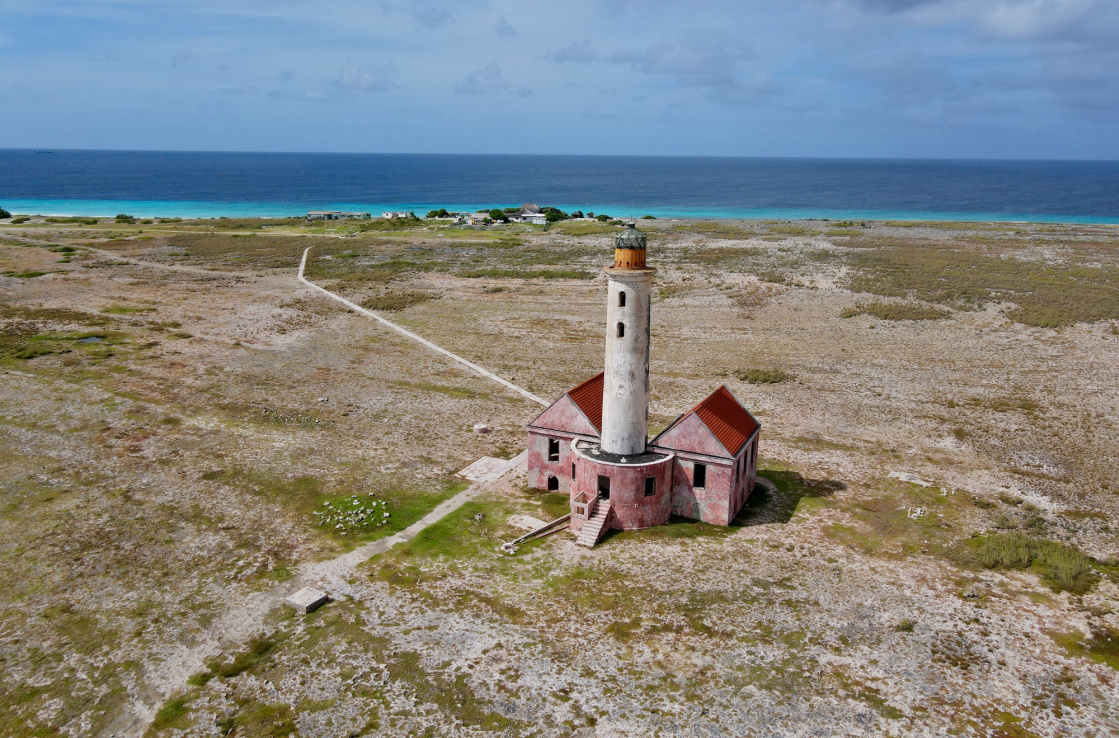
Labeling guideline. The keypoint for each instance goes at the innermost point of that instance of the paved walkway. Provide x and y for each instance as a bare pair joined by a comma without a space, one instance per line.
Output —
333,571
404,331
244,617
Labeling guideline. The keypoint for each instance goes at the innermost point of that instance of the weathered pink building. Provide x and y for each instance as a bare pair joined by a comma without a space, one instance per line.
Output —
592,443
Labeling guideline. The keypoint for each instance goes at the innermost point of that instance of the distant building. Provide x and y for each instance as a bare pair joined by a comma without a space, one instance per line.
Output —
529,213
478,218
395,215
592,443
337,215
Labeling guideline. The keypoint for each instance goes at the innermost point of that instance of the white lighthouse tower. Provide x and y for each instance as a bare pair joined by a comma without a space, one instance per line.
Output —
625,396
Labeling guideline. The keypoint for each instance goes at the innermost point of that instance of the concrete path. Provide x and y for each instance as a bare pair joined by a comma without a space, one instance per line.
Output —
243,618
404,331
328,573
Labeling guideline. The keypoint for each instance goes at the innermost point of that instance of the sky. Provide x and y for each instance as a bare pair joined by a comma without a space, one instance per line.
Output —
1035,79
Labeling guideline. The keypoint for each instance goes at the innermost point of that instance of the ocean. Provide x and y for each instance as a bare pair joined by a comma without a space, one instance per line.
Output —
199,184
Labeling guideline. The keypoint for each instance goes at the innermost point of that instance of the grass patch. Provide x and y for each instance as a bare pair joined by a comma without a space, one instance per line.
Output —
763,376
242,661
584,229
1062,567
1102,647
171,715
126,310
31,274
1046,295
396,301
716,229
225,249
895,311
528,274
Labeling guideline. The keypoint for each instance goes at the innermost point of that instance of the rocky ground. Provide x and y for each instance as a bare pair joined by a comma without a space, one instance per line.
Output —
178,410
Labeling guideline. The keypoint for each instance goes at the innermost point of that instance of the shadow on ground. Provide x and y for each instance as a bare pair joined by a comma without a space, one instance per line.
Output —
763,508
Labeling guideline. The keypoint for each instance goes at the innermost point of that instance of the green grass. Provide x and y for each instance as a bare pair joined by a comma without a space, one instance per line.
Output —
529,273
31,274
126,310
1062,567
170,715
1102,646
1046,295
232,250
584,229
763,376
895,311
397,301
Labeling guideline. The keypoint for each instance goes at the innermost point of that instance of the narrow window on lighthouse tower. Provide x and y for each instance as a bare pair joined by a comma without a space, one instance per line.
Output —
621,330
621,299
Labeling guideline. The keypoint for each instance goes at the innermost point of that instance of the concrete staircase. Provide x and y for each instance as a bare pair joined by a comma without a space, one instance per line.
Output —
592,531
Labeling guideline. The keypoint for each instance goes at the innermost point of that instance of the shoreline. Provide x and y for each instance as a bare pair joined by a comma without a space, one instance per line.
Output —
200,210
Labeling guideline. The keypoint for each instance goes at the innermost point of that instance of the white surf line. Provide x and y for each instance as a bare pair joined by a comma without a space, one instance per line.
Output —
404,331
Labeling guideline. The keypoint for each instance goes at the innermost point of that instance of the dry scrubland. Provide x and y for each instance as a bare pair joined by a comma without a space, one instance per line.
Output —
176,409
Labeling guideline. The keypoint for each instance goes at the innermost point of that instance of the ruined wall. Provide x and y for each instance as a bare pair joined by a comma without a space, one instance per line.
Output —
632,509
539,468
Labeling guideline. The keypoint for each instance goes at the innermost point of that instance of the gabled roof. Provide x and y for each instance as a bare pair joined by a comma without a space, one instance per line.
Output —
723,415
577,411
731,423
588,396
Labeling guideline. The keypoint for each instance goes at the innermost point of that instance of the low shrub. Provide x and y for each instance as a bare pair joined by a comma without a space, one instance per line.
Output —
529,273
763,376
396,301
895,311
1063,567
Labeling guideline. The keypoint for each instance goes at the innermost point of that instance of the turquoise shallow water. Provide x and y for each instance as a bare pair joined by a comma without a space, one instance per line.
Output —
188,209
201,184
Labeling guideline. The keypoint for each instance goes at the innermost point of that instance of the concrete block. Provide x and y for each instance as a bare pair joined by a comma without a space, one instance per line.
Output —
307,599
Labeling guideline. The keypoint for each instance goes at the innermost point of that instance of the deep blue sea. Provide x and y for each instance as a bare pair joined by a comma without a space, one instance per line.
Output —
194,184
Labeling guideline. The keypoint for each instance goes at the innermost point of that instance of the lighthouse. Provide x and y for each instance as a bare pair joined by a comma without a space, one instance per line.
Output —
625,396
593,442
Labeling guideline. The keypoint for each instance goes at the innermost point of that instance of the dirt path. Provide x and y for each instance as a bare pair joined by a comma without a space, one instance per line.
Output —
403,331
243,618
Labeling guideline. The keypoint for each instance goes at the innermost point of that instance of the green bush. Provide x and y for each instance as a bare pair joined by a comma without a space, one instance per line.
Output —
4,213
763,376
1063,567
23,219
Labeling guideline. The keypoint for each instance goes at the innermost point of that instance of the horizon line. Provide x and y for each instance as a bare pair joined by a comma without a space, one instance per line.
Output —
47,149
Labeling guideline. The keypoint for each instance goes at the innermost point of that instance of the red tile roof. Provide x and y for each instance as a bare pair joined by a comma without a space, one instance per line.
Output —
731,423
588,396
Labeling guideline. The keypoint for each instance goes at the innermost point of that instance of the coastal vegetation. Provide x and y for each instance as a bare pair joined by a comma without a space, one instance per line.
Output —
895,311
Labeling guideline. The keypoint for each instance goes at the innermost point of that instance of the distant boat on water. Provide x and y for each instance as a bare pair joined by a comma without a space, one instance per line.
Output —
38,151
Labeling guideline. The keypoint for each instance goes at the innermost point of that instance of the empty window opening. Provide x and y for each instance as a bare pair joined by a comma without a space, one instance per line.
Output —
553,484
572,469
621,330
650,486
621,299
553,449
604,487
699,478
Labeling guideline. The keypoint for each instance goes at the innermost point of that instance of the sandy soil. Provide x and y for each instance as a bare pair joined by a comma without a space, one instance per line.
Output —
164,478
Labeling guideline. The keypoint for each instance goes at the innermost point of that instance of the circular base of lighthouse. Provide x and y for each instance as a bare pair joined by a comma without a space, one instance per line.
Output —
636,488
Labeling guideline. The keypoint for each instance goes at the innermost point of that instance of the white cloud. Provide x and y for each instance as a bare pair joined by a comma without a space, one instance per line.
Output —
367,77
487,80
